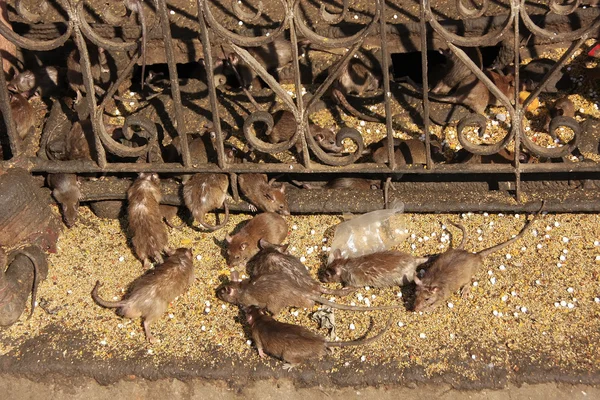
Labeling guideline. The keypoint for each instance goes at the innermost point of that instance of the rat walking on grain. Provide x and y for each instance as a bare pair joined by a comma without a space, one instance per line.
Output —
292,343
149,234
150,294
454,269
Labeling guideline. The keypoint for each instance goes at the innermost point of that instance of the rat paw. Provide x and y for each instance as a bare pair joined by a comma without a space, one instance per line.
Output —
253,208
288,367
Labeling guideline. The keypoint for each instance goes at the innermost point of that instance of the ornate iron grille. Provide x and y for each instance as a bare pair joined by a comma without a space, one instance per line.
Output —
215,36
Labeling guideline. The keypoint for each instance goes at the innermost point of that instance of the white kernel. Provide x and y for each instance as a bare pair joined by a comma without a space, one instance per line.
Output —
294,227
473,356
596,243
570,290
400,324
597,299
312,231
563,303
240,23
495,313
504,298
556,304
422,335
571,305
508,256
557,224
103,342
249,342
502,268
395,16
565,239
171,316
150,351
207,310
475,283
450,305
490,272
493,280
513,293
352,327
538,282
523,310
559,265
356,17
539,246
363,358
562,257
302,259
203,328
121,259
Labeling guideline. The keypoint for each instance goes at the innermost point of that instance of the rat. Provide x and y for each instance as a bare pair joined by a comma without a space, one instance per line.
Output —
275,291
65,189
357,78
454,269
531,75
286,126
135,6
243,245
149,234
44,81
204,193
261,193
169,212
561,107
23,114
272,56
293,344
381,269
454,71
150,294
98,65
352,183
473,93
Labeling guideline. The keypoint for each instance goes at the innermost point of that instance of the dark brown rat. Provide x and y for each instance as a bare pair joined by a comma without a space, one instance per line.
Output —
381,269
285,127
453,270
293,344
65,189
44,81
149,234
244,244
262,194
150,294
204,193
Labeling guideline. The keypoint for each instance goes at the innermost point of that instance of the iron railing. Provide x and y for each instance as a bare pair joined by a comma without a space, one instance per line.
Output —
215,37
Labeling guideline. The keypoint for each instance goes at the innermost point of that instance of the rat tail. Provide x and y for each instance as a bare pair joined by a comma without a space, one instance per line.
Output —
101,301
339,96
359,342
527,226
464,234
331,304
210,227
338,292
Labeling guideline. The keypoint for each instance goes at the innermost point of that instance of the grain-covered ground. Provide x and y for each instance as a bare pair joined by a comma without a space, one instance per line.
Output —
535,303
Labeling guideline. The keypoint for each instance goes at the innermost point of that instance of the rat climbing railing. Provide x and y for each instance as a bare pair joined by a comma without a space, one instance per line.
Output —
212,34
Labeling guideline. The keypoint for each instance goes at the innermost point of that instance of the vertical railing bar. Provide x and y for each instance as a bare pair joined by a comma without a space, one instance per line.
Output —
424,67
518,109
386,88
212,90
11,126
301,118
88,82
173,77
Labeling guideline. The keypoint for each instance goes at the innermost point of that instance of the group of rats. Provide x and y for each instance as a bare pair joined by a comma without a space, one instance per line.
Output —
276,279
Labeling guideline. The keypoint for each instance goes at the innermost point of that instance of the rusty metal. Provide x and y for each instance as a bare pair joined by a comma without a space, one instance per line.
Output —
214,35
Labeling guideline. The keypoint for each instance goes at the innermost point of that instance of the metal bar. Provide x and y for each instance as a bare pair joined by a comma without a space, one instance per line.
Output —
387,98
175,93
9,121
424,68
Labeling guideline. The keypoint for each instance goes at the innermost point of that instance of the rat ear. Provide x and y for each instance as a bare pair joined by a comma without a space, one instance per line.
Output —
283,248
319,137
264,244
282,188
244,245
418,282
434,289
228,238
337,254
188,252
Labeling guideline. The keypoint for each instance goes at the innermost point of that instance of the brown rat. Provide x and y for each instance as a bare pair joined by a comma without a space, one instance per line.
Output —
276,291
357,78
454,269
244,244
169,212
285,127
23,115
381,269
293,344
135,6
44,81
454,71
75,76
562,107
204,193
149,295
352,183
272,56
149,234
65,189
262,194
